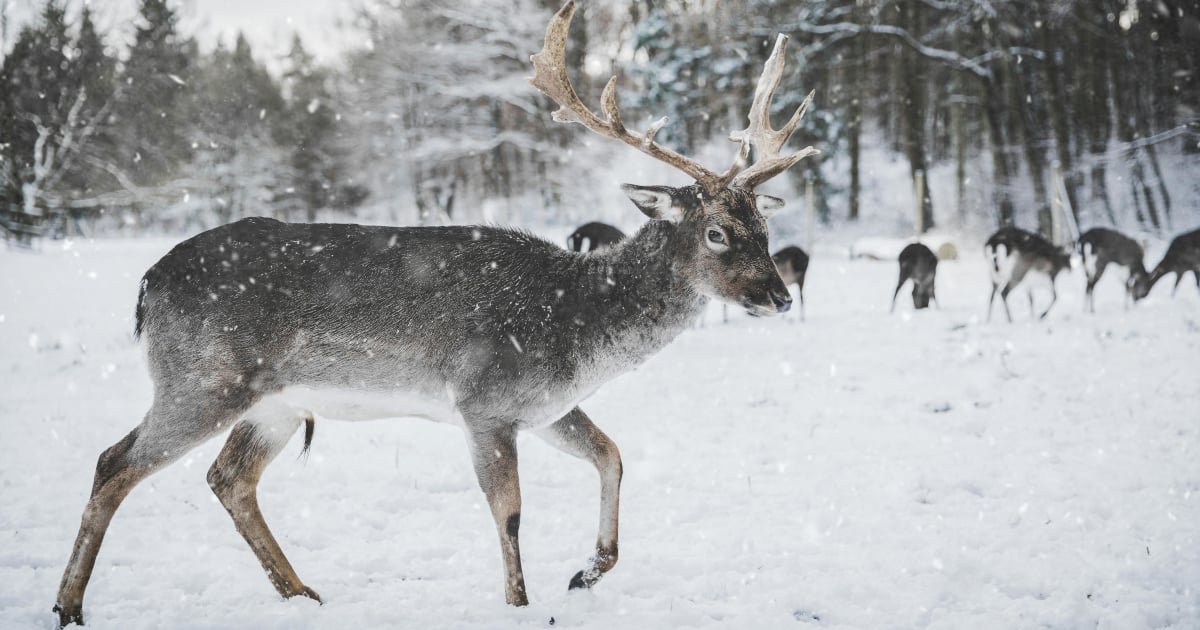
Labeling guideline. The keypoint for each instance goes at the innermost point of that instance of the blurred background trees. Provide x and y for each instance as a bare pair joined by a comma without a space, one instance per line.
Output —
1008,111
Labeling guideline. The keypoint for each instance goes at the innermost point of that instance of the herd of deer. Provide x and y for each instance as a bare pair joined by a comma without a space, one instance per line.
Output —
1014,255
257,327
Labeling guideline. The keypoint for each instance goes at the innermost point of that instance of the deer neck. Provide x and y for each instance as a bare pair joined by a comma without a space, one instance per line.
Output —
639,285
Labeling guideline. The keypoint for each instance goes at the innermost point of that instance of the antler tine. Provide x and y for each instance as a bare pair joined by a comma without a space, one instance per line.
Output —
767,142
550,77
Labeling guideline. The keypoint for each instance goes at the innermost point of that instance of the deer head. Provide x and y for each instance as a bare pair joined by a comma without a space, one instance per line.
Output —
723,222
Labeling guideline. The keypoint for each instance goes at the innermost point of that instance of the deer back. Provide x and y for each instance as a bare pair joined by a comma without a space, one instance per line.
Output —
498,320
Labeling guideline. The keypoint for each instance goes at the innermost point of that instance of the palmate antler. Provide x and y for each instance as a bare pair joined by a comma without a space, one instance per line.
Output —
550,77
766,141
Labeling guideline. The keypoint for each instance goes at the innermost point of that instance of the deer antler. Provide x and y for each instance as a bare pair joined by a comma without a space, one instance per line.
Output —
766,141
550,76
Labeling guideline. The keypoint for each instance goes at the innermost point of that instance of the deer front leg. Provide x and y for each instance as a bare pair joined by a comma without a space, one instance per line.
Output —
575,434
494,454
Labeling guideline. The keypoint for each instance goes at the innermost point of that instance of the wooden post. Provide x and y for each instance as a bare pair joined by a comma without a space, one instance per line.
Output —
810,214
920,206
1056,210
960,158
1064,214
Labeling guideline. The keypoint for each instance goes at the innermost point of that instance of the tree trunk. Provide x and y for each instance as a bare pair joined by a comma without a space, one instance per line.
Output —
913,69
1058,116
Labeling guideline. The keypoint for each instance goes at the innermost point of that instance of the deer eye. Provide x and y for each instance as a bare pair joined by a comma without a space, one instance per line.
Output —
715,236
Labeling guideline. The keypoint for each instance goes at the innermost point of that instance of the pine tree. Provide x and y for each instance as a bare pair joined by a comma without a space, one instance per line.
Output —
153,136
312,133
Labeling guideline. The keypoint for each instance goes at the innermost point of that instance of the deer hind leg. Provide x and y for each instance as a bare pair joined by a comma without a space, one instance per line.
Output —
897,292
1004,300
234,477
494,455
1053,299
991,300
1091,285
171,428
575,434
802,317
1178,279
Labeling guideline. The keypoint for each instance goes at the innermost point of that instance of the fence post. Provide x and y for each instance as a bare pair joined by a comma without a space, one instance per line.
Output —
810,213
919,184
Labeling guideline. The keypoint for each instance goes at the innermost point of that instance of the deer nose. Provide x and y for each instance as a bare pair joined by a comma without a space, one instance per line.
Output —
782,301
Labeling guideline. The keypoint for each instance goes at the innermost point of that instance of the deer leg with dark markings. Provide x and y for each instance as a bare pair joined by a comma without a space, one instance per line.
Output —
494,454
575,434
1053,299
901,283
1090,301
991,300
1004,300
170,429
234,478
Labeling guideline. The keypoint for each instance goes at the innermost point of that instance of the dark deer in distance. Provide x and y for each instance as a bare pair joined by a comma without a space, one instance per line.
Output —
594,235
258,325
1015,254
919,264
1183,255
1101,247
792,263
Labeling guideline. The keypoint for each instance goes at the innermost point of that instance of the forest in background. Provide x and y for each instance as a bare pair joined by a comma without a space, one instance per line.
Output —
1015,104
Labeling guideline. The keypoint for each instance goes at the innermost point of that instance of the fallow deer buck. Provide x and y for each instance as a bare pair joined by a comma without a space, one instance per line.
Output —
919,264
1101,247
260,325
1183,255
594,235
1014,254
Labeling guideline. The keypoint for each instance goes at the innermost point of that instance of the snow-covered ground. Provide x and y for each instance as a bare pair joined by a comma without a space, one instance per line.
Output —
858,470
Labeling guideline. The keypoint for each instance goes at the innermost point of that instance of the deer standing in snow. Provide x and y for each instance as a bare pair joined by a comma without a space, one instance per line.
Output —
1183,255
594,235
792,263
1101,247
1015,254
259,325
919,264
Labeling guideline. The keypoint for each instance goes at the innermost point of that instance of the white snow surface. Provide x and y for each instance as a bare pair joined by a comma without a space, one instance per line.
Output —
858,470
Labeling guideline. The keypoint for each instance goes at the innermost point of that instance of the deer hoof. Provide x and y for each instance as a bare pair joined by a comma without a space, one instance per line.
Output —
577,582
69,615
309,593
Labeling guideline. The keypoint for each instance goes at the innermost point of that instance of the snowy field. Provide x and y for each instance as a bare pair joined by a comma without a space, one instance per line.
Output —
858,470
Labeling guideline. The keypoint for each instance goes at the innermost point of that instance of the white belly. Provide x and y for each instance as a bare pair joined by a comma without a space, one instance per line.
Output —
351,404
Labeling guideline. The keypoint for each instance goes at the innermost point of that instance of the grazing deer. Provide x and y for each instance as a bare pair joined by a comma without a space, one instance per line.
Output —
792,263
260,325
1014,254
593,236
1101,247
1183,255
919,264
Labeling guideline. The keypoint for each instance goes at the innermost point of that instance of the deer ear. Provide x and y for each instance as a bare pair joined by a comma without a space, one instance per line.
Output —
768,206
656,202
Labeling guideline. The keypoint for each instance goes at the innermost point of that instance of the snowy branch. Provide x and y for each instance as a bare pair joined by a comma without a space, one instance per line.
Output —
845,29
